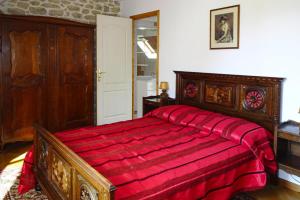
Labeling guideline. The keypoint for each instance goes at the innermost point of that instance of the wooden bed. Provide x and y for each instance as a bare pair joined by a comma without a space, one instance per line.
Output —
64,175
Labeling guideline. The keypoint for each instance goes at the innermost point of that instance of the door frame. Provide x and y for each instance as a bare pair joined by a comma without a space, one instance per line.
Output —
134,18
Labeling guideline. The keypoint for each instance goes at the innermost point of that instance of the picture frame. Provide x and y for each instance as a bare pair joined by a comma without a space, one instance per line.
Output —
225,27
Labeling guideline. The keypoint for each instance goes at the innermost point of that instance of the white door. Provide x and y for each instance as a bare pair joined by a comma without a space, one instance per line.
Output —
114,69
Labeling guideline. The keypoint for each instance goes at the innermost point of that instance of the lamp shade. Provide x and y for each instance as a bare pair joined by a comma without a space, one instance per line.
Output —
164,85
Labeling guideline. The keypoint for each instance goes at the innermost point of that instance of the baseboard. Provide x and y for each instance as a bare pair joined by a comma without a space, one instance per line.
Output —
289,185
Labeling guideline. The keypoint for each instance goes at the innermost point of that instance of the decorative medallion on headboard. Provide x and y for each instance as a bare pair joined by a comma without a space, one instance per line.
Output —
254,99
191,92
251,97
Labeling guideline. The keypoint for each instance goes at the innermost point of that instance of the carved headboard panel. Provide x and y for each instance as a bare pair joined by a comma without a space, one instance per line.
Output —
251,97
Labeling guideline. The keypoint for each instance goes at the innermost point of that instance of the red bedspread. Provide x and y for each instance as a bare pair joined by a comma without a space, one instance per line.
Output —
175,152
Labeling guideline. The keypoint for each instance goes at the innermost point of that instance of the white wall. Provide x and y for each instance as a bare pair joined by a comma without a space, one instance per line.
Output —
269,41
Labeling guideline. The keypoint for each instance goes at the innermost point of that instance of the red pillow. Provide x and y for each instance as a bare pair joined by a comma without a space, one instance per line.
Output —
251,135
177,114
238,130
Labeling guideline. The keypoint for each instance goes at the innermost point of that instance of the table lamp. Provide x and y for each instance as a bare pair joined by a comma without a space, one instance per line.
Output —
164,86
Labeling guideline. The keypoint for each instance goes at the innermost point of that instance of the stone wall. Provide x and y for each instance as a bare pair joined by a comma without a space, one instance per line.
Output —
77,10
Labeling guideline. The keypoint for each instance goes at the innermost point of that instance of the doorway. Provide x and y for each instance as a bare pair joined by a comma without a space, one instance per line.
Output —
145,66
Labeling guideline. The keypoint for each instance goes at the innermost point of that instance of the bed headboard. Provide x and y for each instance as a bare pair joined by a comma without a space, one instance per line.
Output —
254,98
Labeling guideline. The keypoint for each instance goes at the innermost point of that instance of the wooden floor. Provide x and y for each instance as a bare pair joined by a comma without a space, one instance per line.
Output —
275,193
15,153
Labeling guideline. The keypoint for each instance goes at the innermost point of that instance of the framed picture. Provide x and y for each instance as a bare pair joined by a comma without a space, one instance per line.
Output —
224,27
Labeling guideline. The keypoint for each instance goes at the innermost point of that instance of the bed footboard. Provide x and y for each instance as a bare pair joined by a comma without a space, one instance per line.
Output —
62,174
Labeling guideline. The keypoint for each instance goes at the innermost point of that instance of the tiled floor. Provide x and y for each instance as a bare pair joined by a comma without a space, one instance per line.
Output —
14,154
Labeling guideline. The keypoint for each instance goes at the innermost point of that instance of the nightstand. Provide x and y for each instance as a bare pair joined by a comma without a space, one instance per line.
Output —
153,102
287,147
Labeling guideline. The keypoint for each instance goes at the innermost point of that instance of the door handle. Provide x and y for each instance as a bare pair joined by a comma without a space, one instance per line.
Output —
99,73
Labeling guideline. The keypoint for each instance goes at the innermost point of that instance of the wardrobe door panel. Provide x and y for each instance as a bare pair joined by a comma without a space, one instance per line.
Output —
75,61
24,64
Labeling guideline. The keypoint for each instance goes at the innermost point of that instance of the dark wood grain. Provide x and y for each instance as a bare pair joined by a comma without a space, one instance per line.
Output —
47,20
152,102
290,164
227,93
75,57
24,63
46,75
286,137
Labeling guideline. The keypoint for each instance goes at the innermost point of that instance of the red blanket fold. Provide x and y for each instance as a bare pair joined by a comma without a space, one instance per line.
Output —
27,180
175,152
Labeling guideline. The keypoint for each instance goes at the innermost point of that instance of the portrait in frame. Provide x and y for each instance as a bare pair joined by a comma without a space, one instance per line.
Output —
224,27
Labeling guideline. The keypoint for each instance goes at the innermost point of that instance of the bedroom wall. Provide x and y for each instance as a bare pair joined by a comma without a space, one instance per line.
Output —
269,40
77,10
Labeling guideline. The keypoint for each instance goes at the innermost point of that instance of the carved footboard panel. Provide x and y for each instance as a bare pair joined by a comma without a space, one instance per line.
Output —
64,175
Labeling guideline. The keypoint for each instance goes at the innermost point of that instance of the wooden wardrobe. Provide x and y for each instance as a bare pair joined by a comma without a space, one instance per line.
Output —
46,75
